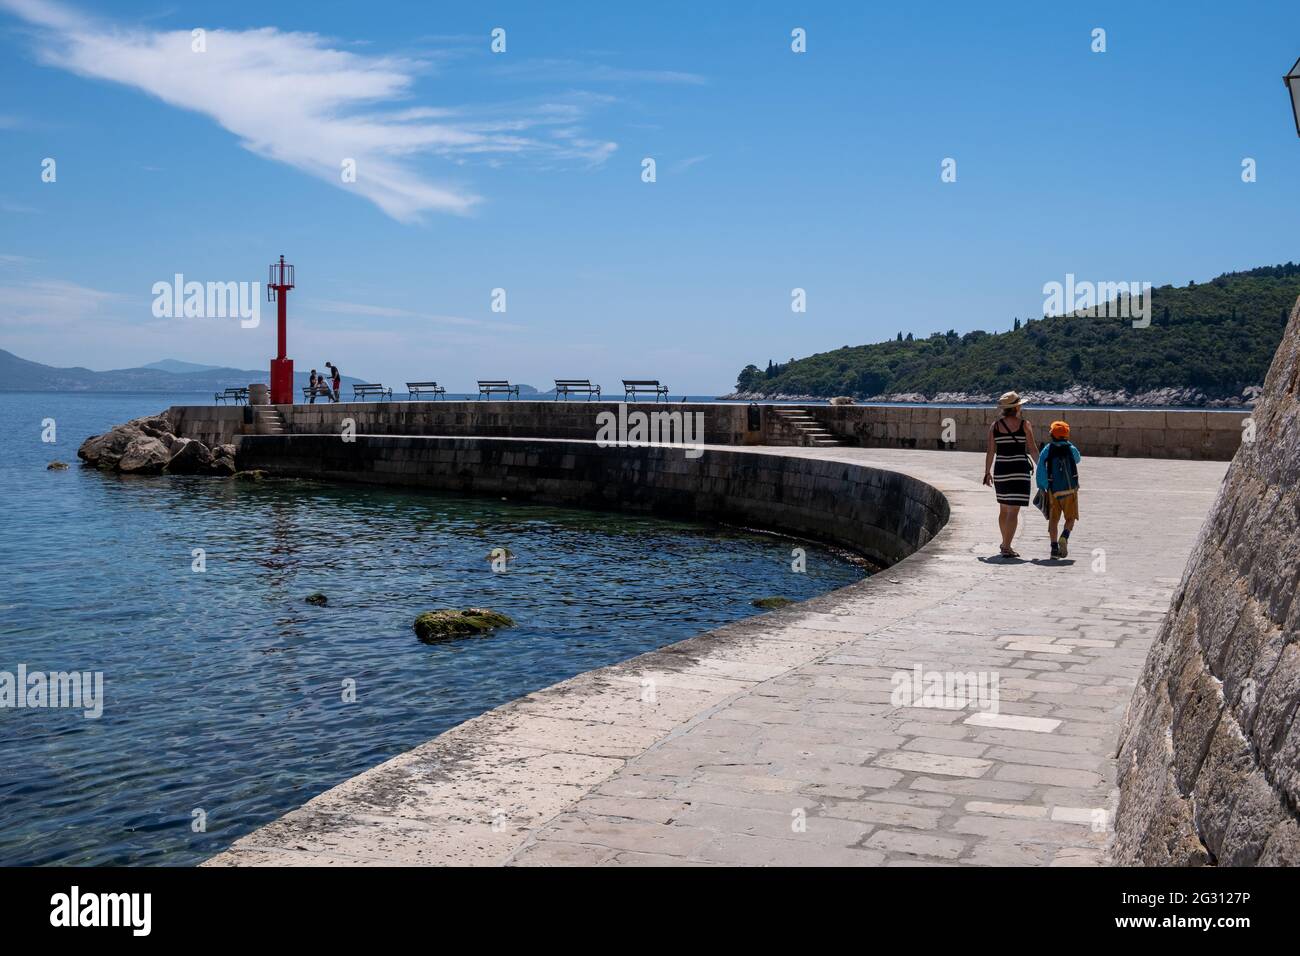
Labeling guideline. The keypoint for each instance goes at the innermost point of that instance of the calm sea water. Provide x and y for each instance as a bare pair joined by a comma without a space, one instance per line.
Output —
224,689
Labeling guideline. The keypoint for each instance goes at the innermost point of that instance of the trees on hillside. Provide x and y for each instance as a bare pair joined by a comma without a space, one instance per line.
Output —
1218,336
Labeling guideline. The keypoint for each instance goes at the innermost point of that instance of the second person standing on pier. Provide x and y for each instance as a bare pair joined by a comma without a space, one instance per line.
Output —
1008,466
336,381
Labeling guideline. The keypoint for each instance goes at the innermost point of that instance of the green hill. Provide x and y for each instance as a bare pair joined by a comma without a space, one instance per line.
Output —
1217,338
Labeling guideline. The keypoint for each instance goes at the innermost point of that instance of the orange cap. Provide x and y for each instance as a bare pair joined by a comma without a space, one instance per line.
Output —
1060,429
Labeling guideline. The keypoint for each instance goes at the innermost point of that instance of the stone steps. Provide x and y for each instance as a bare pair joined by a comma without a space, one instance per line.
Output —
805,428
269,421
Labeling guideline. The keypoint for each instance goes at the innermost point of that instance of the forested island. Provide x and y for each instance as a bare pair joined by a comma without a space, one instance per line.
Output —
1207,344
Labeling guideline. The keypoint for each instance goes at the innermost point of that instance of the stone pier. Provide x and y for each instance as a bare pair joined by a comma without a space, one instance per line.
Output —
782,739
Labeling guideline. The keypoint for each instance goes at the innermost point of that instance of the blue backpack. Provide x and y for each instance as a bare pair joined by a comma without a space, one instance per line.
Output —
1060,456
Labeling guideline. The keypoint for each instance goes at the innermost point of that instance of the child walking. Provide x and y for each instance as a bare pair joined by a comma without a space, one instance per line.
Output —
1058,478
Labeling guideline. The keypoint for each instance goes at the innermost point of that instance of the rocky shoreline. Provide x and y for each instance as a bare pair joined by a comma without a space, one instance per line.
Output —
1075,395
149,446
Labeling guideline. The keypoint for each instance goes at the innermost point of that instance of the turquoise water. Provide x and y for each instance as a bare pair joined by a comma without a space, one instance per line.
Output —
224,690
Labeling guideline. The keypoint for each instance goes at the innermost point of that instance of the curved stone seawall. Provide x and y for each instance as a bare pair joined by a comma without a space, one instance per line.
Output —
1210,751
881,514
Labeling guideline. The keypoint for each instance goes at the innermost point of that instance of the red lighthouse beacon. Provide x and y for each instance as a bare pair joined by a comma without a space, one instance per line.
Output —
277,288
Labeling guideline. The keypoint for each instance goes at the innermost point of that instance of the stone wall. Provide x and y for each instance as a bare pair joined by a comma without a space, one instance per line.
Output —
210,424
1209,766
881,514
1130,434
723,424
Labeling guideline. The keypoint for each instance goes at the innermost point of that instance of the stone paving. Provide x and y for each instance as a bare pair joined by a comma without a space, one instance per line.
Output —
781,740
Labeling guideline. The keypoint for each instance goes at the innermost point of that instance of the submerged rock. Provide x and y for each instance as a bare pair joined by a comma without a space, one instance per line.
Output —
253,474
450,623
768,603
57,466
318,599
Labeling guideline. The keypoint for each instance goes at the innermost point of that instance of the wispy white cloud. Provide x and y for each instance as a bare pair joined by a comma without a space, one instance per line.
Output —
50,304
65,323
575,71
684,164
296,99
389,312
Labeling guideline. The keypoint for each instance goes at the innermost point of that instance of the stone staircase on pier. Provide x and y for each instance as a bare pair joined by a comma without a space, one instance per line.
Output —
268,420
797,427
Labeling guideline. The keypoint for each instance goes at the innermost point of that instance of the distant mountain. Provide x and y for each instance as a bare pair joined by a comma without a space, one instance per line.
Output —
181,368
1216,338
169,375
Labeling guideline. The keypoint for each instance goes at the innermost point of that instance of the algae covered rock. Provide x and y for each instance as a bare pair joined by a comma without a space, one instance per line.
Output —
318,599
57,466
450,623
769,603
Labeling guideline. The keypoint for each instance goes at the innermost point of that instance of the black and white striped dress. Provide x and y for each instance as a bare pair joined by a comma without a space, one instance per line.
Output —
1011,467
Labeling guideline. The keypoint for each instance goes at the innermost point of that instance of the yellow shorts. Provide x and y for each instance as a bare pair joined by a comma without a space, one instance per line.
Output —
1066,504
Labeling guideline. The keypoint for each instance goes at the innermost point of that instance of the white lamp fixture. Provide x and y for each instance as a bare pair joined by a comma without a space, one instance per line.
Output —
1292,81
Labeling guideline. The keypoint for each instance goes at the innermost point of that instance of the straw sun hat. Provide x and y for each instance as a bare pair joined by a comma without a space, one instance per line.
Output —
1010,400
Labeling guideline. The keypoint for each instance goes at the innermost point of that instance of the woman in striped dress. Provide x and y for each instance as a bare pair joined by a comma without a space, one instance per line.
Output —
1008,466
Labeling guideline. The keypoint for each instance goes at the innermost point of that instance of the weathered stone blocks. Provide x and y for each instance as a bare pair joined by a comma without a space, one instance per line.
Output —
1209,765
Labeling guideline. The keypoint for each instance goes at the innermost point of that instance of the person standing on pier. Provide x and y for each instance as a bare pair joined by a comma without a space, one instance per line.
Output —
1008,466
336,379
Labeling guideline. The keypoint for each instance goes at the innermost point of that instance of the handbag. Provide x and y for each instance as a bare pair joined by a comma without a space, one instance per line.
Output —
1043,502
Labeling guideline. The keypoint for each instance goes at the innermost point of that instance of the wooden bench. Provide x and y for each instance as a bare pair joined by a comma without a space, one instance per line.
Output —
578,386
416,389
495,386
237,395
323,390
642,386
359,392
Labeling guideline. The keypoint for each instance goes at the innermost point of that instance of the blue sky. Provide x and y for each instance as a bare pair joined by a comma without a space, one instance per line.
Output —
522,171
